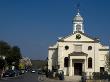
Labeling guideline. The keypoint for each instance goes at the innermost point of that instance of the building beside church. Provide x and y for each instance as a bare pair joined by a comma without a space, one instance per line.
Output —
77,52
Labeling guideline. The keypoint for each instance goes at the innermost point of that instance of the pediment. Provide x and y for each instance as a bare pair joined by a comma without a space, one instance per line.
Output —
78,36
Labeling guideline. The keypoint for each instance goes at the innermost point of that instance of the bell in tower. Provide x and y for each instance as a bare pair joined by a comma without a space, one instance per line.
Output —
78,23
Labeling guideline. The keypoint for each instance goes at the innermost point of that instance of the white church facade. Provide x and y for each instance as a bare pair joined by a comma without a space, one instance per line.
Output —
77,52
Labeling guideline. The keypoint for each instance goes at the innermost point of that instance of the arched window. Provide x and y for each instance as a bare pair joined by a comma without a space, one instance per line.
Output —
90,62
78,27
66,62
89,47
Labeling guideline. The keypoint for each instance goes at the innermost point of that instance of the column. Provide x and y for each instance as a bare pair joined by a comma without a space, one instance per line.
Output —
70,68
50,59
83,66
85,70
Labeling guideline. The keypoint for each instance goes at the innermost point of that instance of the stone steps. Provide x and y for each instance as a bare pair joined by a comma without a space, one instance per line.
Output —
73,78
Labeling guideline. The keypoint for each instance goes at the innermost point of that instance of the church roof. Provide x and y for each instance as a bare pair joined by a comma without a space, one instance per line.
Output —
93,38
78,54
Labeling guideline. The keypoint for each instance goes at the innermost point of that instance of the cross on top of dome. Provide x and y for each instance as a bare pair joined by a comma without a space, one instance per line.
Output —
78,17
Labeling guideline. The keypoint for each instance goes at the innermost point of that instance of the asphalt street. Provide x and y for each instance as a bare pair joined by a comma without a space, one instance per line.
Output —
27,77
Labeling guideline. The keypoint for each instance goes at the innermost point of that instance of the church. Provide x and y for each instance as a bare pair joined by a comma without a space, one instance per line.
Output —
78,52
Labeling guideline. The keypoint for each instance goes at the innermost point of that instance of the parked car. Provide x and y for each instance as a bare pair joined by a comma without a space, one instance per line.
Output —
17,72
33,71
22,71
39,71
9,73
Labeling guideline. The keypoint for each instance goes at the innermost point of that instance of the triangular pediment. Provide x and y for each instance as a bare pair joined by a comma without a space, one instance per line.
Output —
78,36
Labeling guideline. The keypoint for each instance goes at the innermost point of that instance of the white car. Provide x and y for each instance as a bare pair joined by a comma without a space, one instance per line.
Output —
33,71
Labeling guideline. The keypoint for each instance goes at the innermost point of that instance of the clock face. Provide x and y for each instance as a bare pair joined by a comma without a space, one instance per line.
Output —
78,36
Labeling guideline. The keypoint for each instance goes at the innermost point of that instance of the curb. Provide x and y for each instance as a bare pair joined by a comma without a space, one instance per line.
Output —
5,78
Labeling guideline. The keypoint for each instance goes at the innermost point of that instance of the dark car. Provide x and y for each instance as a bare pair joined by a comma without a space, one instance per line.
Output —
39,71
9,73
17,72
22,71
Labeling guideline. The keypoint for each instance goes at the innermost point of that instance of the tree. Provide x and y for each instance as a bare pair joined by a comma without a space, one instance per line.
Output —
21,66
15,56
108,62
4,48
2,63
12,54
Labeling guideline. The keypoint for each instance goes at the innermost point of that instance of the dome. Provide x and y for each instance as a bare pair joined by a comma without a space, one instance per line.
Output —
78,18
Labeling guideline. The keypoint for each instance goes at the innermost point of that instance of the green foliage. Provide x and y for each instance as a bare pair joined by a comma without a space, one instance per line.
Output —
2,63
38,64
108,62
12,54
4,48
21,66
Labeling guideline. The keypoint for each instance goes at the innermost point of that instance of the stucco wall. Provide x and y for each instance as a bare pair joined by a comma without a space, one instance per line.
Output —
58,54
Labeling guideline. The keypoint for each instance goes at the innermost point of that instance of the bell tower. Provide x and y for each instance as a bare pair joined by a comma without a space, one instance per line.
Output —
78,23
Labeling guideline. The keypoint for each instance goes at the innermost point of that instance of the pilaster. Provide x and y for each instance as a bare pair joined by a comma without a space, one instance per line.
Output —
70,68
50,59
60,57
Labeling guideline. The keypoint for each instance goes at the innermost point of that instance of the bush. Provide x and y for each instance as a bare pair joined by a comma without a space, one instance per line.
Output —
105,74
109,77
100,75
96,75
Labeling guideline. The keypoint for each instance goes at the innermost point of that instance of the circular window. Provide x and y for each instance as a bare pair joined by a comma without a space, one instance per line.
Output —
66,47
90,48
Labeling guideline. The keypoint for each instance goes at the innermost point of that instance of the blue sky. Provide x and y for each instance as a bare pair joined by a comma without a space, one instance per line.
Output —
33,25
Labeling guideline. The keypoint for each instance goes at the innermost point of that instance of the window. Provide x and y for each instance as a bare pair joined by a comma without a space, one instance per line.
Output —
89,47
78,27
78,48
90,62
66,47
102,69
66,61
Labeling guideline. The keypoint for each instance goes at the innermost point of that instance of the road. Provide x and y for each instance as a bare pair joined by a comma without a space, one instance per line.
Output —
27,77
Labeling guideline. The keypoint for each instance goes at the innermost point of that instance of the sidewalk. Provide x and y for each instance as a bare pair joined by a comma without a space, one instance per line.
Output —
73,78
54,80
67,79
